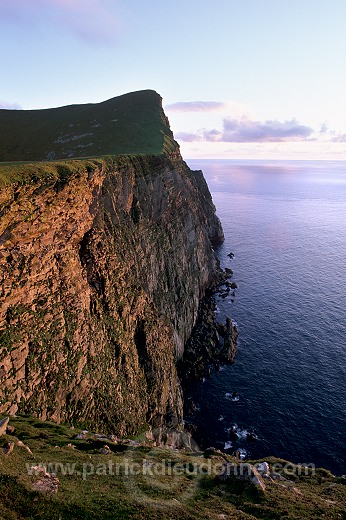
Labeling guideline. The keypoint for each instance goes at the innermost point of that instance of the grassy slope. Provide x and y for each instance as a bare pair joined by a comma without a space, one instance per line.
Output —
161,497
24,173
130,124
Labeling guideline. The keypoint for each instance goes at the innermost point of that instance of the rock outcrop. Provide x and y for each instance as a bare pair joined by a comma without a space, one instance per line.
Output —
243,471
103,264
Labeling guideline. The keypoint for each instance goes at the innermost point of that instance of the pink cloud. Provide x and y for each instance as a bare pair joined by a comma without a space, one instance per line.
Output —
340,138
188,137
247,131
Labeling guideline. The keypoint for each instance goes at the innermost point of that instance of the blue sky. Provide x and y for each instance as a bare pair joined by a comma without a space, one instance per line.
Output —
239,78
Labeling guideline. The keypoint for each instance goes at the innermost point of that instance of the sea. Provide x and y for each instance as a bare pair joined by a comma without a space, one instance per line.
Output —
285,394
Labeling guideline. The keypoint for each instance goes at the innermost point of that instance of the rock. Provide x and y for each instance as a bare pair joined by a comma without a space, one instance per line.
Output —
175,439
133,443
251,437
81,435
276,476
87,240
228,271
231,255
242,471
149,435
10,430
234,285
22,445
256,479
105,450
213,452
229,349
222,329
8,448
100,436
47,483
263,469
3,425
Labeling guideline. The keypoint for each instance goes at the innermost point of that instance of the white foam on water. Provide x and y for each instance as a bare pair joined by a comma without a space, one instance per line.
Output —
242,453
241,434
232,397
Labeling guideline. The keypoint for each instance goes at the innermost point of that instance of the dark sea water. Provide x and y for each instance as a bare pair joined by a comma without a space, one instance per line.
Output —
286,224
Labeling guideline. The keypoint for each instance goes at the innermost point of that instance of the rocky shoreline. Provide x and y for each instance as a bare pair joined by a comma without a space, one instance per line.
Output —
212,344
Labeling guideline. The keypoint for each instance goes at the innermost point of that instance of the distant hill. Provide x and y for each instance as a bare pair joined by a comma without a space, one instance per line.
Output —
130,124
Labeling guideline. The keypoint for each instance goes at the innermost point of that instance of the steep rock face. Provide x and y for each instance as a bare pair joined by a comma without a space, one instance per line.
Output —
101,272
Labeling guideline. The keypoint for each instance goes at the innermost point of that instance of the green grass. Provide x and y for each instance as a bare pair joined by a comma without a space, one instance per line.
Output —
58,172
23,173
100,494
130,124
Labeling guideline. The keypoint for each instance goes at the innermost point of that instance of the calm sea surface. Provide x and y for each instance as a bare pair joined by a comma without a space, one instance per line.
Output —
286,224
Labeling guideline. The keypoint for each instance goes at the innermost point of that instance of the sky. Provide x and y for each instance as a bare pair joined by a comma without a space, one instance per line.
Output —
240,79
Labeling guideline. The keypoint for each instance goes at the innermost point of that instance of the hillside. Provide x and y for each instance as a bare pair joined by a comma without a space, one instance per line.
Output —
130,124
100,477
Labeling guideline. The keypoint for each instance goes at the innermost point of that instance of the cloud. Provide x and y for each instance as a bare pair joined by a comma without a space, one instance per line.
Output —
340,138
248,131
212,135
94,21
324,128
188,137
10,106
195,106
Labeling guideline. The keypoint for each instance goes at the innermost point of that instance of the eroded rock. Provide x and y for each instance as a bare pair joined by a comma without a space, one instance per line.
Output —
3,425
8,448
102,271
243,471
47,482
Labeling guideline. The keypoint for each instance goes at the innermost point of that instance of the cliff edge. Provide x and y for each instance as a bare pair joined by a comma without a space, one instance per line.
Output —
103,263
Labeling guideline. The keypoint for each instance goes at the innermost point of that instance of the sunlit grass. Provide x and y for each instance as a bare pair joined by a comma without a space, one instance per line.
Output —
161,496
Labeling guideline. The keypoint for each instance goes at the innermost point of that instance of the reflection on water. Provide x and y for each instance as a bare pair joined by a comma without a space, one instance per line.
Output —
286,225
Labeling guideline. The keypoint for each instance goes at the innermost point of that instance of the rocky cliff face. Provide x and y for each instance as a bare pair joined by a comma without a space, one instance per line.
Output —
102,268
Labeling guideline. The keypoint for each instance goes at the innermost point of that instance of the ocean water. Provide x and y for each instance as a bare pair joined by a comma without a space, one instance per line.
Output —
285,222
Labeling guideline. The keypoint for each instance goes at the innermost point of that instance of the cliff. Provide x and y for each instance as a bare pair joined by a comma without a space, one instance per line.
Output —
103,263
129,124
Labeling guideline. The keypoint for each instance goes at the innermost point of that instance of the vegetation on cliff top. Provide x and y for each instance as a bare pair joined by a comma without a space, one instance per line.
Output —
133,123
58,172
94,483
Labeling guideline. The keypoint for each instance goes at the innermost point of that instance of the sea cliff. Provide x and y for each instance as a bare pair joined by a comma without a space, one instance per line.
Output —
103,264
107,268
